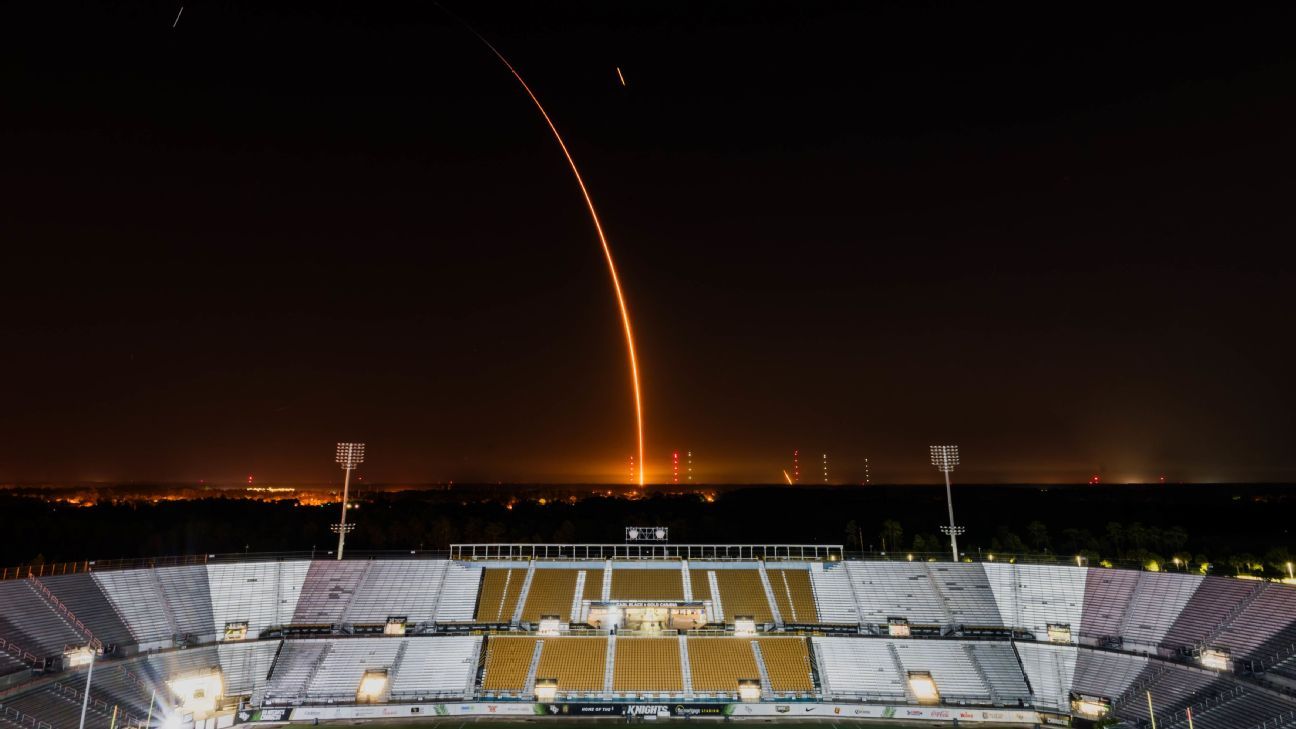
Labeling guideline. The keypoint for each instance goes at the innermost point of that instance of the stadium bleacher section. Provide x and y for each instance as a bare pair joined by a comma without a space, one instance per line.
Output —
794,595
313,630
648,667
550,593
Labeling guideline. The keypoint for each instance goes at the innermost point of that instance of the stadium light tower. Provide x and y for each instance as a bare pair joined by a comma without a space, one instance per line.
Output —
945,458
349,455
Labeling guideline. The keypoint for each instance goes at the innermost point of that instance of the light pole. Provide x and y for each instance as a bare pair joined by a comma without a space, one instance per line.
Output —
945,458
349,455
85,700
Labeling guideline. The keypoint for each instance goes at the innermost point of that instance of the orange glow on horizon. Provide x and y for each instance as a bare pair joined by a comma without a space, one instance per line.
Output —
607,250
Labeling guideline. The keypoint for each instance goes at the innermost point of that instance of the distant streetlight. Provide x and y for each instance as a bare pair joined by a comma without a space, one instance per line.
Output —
945,458
349,455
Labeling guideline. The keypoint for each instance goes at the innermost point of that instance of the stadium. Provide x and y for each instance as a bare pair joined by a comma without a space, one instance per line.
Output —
779,632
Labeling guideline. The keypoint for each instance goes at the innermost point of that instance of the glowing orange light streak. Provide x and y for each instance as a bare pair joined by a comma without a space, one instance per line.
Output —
607,250
620,76
786,476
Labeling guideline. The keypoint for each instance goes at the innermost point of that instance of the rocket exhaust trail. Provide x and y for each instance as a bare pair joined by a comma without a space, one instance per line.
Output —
598,228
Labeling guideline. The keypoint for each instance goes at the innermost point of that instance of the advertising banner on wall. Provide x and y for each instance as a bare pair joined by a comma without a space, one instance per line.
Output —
662,709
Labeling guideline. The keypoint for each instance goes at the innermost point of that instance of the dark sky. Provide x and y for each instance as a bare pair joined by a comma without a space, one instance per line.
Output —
1058,235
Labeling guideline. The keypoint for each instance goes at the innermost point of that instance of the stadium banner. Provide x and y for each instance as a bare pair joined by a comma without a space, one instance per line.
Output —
660,709
392,711
644,709
865,711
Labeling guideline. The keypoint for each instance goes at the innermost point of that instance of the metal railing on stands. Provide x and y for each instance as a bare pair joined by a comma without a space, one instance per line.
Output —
19,718
577,552
22,654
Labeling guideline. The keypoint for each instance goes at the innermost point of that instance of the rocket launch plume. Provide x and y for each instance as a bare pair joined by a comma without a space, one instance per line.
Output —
598,228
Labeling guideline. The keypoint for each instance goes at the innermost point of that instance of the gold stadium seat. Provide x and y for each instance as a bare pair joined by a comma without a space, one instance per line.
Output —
577,663
508,660
499,594
647,665
701,587
717,664
794,596
648,584
593,585
742,593
787,661
550,593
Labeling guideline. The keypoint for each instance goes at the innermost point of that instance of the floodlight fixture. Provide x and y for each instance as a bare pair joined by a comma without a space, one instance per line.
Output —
1090,707
546,690
372,685
199,692
945,458
647,534
1215,659
923,687
349,455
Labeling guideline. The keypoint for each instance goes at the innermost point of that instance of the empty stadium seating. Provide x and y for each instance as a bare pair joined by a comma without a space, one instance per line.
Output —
648,666
1050,669
551,593
647,584
967,594
1114,615
787,661
794,595
1034,596
742,593
500,590
717,664
508,663
576,663
896,589
327,592
261,594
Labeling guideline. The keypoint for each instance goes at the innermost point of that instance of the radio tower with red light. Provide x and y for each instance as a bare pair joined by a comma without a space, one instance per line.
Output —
675,466
796,466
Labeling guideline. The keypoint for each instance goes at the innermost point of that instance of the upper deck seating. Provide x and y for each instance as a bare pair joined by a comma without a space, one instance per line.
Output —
647,584
327,592
551,593
793,595
500,589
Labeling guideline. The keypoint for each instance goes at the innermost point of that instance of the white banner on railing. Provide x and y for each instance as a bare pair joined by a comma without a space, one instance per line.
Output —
392,711
737,711
871,711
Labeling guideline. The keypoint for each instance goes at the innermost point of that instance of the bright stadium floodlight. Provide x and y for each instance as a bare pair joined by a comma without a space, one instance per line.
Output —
546,690
945,458
372,685
199,692
349,455
923,687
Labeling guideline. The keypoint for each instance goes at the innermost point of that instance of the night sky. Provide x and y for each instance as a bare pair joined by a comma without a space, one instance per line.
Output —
1058,235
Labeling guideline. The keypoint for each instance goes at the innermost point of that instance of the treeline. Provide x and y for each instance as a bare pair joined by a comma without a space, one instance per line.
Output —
1233,528
1128,545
